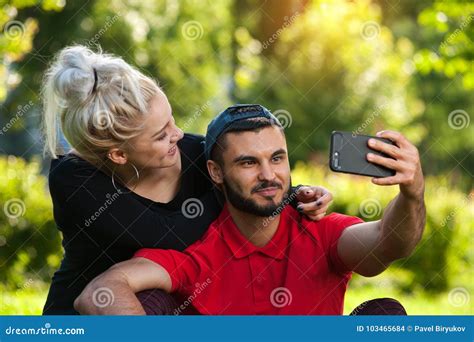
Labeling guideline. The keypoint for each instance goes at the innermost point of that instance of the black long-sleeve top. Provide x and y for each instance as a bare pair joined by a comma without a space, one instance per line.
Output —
101,227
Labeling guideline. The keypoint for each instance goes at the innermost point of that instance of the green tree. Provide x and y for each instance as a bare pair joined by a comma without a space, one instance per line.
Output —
333,66
16,38
178,42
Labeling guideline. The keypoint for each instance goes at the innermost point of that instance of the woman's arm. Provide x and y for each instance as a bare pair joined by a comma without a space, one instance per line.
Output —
313,201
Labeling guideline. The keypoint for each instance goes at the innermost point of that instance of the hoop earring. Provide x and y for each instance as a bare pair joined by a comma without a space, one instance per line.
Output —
120,190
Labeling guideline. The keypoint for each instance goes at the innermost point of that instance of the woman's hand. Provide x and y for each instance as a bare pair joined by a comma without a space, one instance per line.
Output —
313,201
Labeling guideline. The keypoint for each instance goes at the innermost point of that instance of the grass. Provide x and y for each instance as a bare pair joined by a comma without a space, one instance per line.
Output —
30,301
454,301
23,302
415,304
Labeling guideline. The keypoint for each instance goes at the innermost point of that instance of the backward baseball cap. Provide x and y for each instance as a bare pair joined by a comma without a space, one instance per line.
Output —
223,120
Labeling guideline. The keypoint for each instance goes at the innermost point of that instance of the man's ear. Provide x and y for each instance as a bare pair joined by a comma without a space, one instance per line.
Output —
117,156
215,172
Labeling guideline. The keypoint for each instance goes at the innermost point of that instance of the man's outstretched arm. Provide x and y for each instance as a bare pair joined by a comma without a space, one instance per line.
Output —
369,248
113,292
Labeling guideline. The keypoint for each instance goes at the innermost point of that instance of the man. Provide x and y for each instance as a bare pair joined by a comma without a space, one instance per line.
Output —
262,256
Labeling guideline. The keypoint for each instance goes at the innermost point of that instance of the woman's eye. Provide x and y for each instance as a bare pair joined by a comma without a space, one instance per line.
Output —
161,137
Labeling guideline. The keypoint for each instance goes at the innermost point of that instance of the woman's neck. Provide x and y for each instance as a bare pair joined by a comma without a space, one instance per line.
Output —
157,184
161,184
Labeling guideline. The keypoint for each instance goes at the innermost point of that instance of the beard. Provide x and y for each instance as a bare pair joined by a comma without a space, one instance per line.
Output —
248,205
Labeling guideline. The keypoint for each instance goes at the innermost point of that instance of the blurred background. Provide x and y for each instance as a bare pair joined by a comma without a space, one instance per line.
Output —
318,65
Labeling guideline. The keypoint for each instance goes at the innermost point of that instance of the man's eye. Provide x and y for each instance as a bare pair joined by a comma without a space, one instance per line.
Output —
248,163
277,159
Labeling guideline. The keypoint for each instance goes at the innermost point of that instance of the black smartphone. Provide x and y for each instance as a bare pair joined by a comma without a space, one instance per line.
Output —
348,154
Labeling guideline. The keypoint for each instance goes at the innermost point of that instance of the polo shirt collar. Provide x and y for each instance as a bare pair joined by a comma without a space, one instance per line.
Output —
241,247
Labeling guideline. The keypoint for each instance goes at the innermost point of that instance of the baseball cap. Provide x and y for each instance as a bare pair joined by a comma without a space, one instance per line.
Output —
223,120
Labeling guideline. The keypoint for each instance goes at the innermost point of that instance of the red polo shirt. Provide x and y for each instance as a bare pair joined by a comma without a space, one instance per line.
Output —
298,272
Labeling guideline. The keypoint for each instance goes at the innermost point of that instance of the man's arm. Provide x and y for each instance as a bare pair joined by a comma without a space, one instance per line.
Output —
113,292
369,248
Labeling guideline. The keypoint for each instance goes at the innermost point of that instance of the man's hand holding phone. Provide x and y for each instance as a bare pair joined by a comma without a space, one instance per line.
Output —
368,248
405,161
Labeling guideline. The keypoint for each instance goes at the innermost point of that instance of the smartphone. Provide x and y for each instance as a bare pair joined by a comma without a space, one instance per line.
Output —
348,154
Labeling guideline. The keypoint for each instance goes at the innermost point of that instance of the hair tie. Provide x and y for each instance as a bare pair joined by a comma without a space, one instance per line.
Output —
95,80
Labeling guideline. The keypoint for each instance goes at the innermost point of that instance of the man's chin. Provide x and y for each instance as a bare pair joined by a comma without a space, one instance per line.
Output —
266,211
267,208
264,201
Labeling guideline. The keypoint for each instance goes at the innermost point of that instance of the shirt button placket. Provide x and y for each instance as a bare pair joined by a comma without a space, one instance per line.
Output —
258,279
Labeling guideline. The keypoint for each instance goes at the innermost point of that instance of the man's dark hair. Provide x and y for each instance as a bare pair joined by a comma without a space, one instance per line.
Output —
246,125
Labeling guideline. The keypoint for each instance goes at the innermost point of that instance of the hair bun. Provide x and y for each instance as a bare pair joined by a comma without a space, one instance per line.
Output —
74,74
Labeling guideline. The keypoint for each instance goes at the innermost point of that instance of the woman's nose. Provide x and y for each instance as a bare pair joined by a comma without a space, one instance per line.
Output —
178,134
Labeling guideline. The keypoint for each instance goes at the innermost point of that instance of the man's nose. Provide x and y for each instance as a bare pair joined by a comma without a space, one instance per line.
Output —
266,172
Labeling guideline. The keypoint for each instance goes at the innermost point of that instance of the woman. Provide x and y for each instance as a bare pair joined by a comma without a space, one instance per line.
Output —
132,179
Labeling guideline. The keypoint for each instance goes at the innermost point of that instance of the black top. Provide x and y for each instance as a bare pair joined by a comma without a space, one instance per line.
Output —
101,227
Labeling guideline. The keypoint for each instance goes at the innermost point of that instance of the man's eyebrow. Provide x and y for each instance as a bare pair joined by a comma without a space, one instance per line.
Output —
277,152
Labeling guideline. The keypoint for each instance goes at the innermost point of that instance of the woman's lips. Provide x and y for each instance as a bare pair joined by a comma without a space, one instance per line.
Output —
172,150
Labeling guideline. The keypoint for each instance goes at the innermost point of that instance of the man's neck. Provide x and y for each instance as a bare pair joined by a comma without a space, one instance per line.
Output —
258,230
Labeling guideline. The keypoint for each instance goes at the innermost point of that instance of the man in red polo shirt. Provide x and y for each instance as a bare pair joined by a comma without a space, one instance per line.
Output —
261,256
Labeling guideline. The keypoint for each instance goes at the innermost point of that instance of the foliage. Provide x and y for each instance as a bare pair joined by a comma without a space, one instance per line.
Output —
339,66
16,38
454,22
29,240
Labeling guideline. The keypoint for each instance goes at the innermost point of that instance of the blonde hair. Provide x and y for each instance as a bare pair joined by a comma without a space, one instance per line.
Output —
99,99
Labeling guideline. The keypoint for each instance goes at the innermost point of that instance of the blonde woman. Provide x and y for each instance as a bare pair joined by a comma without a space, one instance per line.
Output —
132,178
